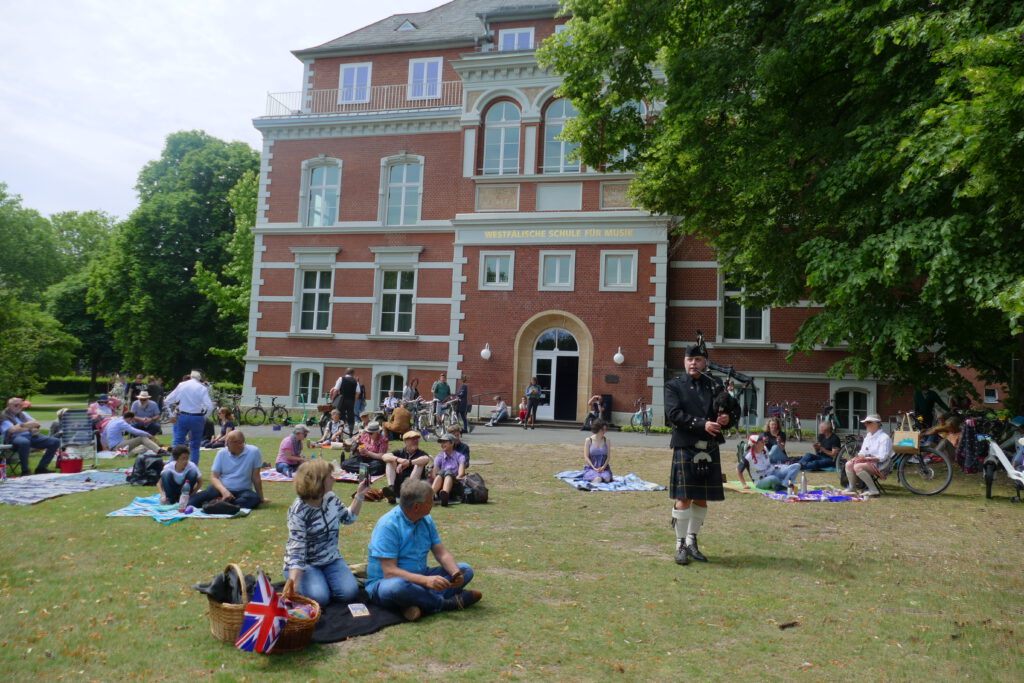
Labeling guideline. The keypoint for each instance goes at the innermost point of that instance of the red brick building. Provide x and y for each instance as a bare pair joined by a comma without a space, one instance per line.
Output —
418,215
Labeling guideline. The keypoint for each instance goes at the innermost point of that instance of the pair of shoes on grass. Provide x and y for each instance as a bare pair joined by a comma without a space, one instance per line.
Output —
459,601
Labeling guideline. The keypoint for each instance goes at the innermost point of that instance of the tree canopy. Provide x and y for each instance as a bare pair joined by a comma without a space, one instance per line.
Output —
30,260
864,154
142,288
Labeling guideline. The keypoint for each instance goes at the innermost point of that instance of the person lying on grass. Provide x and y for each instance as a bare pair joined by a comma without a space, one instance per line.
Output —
597,453
449,470
397,573
311,557
767,475
175,473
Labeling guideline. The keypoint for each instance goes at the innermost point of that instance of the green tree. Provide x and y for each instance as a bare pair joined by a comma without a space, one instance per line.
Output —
866,154
81,236
229,287
66,301
142,288
30,259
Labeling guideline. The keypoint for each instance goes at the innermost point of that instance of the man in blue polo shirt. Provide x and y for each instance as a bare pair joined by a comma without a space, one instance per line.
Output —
235,475
398,575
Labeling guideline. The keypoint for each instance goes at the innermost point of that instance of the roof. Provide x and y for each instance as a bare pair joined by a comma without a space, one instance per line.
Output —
457,22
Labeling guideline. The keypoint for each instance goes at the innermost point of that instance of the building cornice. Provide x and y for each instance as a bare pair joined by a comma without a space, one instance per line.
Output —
313,126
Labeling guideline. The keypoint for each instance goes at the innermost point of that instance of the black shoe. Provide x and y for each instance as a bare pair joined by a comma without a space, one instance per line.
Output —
682,553
444,499
694,552
389,493
43,471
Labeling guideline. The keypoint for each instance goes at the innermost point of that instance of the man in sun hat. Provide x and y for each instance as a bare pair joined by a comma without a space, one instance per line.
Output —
874,454
404,463
696,466
370,448
147,414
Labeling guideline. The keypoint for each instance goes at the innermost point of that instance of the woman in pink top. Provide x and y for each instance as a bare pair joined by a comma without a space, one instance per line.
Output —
289,457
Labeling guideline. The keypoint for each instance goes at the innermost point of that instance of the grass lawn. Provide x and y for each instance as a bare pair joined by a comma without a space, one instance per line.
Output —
577,586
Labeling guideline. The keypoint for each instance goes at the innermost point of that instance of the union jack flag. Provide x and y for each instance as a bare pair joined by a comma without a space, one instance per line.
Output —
265,617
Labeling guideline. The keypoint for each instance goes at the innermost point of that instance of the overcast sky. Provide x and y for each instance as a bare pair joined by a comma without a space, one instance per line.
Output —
91,88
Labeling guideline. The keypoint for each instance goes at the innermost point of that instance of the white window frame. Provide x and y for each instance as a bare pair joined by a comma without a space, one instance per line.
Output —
305,187
990,395
386,164
484,255
393,259
355,66
503,128
297,386
399,293
431,90
308,259
765,317
564,148
524,30
381,392
567,287
627,287
302,291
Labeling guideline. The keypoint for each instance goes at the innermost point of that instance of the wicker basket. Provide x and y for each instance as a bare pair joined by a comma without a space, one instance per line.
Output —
226,619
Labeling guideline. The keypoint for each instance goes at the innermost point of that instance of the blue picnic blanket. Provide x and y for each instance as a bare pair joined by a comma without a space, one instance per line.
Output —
630,482
150,506
815,496
32,489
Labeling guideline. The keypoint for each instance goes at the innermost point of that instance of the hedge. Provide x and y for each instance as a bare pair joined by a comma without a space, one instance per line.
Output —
72,384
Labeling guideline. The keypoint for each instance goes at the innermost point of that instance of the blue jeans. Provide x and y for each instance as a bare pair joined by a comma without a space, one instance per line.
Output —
190,426
813,461
400,593
502,415
172,489
464,416
332,582
783,476
243,499
25,442
287,470
777,456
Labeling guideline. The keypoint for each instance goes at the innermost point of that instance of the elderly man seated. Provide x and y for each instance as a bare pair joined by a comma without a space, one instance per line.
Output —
369,448
147,414
22,432
874,455
113,435
235,475
404,463
397,573
825,449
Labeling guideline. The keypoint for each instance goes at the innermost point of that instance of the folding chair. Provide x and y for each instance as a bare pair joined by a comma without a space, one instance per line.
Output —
77,435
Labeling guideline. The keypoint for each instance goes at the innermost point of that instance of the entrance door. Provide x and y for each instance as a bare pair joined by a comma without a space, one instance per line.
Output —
556,365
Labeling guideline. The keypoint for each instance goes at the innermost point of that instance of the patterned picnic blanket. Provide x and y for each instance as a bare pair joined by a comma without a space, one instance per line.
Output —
825,494
32,489
630,482
150,506
350,477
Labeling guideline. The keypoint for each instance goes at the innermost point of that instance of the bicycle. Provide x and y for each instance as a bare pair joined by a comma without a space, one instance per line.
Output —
642,417
827,413
791,421
166,414
279,413
256,415
926,472
231,402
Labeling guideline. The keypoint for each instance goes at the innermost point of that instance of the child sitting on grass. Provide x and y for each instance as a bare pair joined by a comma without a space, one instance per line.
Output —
178,471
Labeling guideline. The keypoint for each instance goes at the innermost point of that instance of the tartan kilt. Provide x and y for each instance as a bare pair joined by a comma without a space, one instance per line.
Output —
687,483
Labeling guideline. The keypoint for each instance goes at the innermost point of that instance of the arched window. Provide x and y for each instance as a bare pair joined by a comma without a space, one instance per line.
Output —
307,387
501,139
556,152
556,339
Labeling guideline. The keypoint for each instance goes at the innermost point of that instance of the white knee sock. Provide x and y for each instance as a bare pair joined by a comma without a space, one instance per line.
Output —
697,515
865,477
682,519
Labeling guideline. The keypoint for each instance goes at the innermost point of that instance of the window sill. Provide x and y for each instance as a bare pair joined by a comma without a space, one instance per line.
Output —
393,337
311,335
739,344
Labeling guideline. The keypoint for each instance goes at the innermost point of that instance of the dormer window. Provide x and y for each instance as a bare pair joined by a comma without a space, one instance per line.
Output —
407,26
512,39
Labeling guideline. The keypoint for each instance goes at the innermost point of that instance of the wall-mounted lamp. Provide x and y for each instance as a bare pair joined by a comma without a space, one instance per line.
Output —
618,357
485,353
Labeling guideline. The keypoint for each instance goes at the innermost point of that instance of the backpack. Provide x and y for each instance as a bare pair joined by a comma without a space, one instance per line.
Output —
473,489
147,470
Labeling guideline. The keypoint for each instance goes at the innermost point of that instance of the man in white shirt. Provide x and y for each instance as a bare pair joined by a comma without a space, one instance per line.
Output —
193,402
874,454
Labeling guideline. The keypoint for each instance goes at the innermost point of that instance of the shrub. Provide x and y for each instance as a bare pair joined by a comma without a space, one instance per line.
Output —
71,384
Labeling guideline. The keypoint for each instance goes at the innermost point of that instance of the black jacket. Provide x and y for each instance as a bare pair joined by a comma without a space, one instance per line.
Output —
689,403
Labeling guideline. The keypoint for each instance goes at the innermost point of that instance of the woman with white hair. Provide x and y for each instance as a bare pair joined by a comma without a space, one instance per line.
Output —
289,456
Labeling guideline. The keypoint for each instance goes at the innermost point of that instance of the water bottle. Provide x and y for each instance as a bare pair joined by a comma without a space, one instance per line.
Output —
183,501
803,483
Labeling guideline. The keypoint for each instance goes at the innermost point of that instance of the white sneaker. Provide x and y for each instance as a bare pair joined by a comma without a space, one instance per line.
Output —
872,493
849,492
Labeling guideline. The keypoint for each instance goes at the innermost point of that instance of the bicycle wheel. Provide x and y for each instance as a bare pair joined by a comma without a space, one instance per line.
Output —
926,473
798,433
645,419
165,416
990,475
424,426
841,457
280,416
254,416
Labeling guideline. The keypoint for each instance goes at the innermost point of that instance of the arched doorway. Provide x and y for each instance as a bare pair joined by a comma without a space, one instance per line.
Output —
556,365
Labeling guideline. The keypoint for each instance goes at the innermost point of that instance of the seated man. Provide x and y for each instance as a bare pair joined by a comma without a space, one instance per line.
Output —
404,463
825,449
102,410
400,422
397,574
370,448
499,412
18,429
875,454
147,414
235,475
113,435
390,403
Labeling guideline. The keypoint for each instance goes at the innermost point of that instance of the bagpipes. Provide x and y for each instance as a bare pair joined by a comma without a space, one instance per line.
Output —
723,401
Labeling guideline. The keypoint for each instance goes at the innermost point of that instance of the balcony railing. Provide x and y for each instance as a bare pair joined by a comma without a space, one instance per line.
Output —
366,100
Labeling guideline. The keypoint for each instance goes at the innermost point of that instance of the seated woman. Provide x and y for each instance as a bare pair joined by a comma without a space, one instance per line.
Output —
449,470
766,475
227,424
334,431
311,557
775,442
176,473
597,451
289,456
499,413
874,455
950,431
